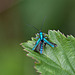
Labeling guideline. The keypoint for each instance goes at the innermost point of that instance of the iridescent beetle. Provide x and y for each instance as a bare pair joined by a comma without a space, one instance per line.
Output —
42,41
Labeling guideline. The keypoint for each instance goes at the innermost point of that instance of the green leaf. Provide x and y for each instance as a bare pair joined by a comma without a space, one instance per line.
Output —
59,60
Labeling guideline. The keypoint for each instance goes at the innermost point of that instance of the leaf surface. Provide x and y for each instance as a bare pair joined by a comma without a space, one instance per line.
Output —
59,60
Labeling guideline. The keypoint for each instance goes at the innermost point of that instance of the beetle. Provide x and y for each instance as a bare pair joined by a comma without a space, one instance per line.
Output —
41,42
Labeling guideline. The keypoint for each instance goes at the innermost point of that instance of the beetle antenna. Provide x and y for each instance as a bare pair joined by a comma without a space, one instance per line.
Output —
43,23
33,26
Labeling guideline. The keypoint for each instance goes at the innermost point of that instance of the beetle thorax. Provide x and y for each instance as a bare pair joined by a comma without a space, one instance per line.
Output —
41,35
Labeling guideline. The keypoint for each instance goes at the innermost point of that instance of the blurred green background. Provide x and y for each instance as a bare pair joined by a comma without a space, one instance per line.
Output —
15,14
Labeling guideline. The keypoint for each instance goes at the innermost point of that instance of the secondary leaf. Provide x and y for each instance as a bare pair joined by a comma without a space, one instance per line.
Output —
59,60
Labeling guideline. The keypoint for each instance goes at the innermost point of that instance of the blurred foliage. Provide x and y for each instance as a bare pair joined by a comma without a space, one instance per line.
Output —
13,30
